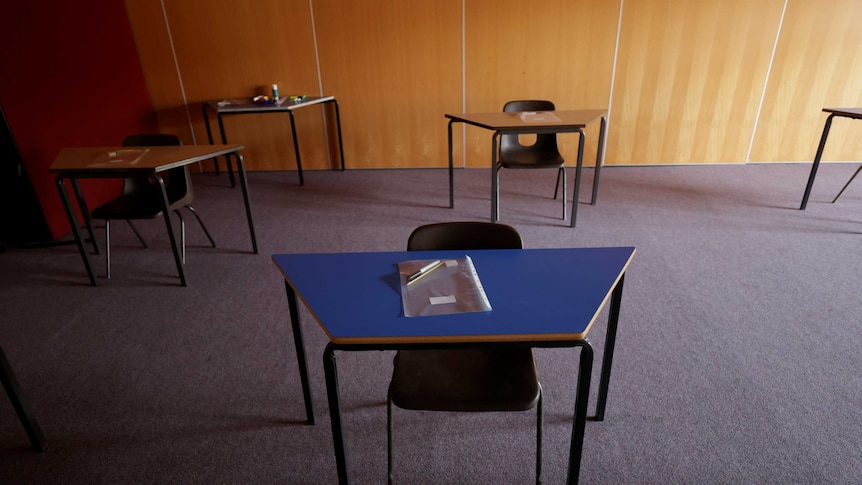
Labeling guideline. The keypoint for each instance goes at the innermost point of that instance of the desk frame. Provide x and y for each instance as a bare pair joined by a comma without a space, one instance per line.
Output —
73,174
531,128
852,113
583,376
251,108
22,407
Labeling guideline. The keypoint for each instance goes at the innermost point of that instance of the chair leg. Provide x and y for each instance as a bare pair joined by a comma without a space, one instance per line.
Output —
557,184
847,184
182,237
138,234
107,249
539,434
201,222
497,198
562,173
390,475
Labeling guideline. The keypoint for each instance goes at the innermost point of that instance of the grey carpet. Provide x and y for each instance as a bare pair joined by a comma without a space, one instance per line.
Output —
737,357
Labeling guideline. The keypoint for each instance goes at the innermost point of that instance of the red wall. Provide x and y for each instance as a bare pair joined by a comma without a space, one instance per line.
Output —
70,76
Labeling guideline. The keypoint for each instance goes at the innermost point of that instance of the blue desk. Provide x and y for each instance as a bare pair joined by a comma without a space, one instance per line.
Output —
540,298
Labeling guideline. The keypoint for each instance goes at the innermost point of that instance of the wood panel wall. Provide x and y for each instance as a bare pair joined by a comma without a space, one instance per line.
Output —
687,81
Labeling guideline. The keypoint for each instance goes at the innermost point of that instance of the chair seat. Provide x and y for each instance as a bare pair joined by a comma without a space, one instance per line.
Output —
129,207
531,159
469,380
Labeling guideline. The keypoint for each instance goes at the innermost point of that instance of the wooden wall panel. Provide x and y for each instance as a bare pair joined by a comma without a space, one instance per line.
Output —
689,79
561,51
395,66
238,48
818,64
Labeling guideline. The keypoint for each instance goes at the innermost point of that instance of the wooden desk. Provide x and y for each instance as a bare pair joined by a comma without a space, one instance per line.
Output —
241,106
853,113
540,298
75,163
571,121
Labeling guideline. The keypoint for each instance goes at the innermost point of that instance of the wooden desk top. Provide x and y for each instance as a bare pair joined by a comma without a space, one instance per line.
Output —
82,161
846,112
536,295
228,106
525,121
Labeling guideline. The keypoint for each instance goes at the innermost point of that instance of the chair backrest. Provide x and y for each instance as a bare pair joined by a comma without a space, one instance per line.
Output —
464,235
177,181
544,142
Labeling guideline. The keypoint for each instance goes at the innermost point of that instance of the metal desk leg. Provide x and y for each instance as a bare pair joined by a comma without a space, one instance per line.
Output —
240,168
583,394
329,368
451,176
209,134
610,340
85,214
338,125
227,157
166,214
816,161
296,147
600,160
495,179
70,214
578,177
22,408
300,351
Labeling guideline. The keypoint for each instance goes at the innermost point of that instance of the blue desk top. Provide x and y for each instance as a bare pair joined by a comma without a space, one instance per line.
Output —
535,294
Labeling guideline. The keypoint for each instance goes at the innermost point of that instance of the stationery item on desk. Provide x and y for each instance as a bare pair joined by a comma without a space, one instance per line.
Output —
537,116
425,270
125,155
275,91
263,99
441,287
297,98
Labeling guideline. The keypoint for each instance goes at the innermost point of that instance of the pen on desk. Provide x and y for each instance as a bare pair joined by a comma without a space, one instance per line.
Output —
424,271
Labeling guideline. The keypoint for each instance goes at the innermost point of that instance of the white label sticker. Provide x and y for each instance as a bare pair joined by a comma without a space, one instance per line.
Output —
441,300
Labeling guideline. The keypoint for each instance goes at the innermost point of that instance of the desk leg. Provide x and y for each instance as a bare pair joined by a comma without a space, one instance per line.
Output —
85,214
205,112
300,351
578,171
166,214
581,400
495,179
600,160
451,165
240,168
296,147
70,214
329,368
816,161
610,341
22,408
338,125
227,157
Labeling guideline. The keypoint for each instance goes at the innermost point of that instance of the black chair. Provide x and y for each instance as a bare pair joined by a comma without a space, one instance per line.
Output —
541,154
141,197
466,380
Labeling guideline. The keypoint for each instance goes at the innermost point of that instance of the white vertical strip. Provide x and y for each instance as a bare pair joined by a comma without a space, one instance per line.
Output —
765,84
319,81
614,68
316,53
463,82
613,81
179,76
